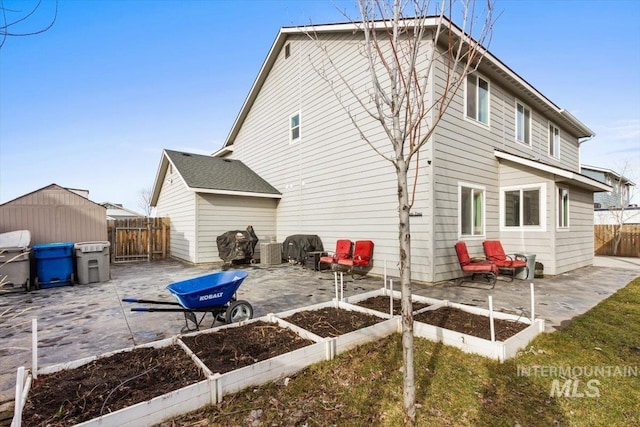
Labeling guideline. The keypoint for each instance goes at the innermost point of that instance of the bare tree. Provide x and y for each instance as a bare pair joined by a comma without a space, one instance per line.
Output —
12,19
404,45
144,201
622,194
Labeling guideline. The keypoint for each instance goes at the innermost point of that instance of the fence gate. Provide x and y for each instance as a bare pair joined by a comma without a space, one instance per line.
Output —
605,236
138,239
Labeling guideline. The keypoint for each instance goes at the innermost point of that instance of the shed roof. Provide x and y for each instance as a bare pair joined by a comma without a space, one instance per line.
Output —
207,174
53,186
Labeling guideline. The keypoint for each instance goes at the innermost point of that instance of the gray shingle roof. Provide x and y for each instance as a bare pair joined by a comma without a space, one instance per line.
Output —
217,173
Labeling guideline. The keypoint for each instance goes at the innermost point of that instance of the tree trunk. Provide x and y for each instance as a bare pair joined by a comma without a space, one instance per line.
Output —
404,239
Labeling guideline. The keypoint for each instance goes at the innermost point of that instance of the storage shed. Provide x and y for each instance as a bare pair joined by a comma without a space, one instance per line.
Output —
55,214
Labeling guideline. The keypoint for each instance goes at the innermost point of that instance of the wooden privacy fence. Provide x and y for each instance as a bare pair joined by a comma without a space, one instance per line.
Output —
138,239
604,240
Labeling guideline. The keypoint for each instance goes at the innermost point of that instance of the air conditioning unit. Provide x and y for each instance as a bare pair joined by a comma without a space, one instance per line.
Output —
270,253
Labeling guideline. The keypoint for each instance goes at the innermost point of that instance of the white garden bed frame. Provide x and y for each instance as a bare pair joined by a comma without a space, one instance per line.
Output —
346,342
216,385
499,350
149,412
267,370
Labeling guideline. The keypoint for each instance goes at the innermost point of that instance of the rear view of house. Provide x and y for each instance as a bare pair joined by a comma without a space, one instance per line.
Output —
503,164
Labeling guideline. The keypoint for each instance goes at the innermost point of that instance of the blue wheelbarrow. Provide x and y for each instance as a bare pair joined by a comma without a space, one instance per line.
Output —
213,293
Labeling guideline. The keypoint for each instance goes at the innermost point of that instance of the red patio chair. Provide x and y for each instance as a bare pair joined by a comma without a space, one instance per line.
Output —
362,260
485,269
495,253
343,251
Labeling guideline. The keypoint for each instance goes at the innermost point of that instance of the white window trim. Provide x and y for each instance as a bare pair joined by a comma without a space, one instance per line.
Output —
559,206
484,211
515,135
543,208
464,112
557,156
291,140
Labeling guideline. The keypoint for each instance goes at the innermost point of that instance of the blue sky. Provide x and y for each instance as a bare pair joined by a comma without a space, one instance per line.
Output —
92,102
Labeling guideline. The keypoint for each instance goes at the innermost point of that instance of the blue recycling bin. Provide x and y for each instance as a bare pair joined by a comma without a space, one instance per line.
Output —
54,264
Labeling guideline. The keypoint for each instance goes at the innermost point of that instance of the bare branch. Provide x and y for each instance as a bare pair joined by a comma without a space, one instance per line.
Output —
6,23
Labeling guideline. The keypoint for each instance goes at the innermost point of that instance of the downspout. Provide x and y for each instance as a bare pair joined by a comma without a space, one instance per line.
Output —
580,142
196,239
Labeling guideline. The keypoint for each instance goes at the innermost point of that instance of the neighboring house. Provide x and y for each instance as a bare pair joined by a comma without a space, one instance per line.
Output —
54,214
620,194
117,211
206,196
503,164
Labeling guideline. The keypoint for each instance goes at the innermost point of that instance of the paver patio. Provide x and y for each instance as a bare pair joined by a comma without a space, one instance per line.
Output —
84,320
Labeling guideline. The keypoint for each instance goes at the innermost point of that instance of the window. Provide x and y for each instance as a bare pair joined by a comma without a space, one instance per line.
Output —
554,141
471,210
477,99
523,207
294,128
563,208
287,51
523,123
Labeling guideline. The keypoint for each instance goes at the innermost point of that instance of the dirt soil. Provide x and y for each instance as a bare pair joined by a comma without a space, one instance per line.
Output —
470,324
381,303
331,321
108,384
233,348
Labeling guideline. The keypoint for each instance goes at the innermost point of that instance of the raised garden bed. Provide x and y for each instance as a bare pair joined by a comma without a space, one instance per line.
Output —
236,356
458,320
232,348
108,390
510,336
331,321
342,325
468,328
382,304
254,352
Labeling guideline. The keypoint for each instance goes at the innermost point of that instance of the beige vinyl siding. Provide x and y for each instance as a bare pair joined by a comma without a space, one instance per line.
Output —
464,152
55,215
218,214
503,109
333,184
574,245
178,202
539,242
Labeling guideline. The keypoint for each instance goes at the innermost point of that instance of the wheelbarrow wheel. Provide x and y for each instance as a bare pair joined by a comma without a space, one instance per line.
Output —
238,311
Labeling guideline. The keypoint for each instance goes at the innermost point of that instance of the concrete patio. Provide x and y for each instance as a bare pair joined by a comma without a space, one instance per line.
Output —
84,320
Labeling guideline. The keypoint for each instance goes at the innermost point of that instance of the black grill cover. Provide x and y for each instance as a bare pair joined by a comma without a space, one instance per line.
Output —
296,247
237,245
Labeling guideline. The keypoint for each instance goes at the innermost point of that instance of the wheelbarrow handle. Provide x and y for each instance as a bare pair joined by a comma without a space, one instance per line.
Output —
151,309
146,301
